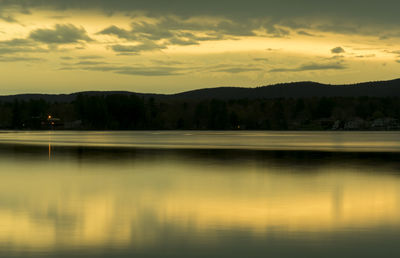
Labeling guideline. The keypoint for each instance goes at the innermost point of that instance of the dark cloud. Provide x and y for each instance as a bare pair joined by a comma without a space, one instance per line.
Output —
60,34
241,29
398,61
118,32
178,31
337,50
311,67
385,10
152,31
274,30
379,18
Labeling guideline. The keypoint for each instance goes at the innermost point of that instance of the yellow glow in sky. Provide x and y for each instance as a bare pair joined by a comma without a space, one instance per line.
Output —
64,51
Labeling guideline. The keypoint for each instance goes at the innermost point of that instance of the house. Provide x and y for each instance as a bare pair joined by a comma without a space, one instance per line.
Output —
52,123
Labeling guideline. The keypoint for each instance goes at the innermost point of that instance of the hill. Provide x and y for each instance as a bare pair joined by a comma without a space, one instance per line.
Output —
299,90
389,88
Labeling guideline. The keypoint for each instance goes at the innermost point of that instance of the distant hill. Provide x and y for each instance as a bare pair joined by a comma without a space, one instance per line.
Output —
285,90
299,90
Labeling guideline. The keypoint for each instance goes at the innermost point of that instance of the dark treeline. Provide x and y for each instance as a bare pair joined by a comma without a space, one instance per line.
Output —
131,112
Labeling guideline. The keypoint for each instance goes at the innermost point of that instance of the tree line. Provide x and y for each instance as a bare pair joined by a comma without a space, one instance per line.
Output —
131,112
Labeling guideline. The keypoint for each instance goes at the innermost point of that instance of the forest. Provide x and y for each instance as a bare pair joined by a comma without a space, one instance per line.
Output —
135,112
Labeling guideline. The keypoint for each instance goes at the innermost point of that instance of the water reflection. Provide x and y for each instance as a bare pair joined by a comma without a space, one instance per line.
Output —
138,200
251,140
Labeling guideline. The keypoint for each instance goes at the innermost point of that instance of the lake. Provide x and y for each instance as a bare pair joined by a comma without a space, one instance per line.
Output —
199,194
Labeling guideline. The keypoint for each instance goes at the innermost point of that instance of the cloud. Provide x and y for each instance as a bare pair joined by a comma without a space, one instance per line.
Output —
90,63
167,62
132,70
395,52
398,61
372,10
7,18
311,67
118,32
162,68
260,59
272,49
146,34
19,45
17,42
337,50
274,30
389,35
305,33
227,68
173,30
366,56
135,49
59,17
378,18
60,34
150,31
8,59
165,69
150,71
90,57
139,31
235,70
230,27
183,42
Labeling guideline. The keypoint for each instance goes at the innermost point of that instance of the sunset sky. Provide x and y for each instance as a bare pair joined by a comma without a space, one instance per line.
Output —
60,46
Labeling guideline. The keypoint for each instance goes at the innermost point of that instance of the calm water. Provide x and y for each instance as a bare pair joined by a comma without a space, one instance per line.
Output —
192,194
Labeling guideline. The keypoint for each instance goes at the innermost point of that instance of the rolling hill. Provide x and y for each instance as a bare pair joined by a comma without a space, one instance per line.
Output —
389,88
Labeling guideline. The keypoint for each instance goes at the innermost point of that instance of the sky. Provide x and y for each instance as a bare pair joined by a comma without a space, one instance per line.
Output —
158,46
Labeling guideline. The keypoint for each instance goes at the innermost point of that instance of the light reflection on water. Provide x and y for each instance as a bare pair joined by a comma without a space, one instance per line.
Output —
325,141
110,202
